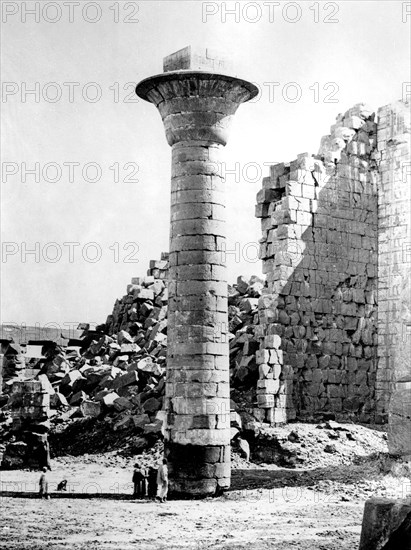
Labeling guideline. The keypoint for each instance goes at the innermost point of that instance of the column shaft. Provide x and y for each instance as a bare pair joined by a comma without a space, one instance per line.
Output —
197,388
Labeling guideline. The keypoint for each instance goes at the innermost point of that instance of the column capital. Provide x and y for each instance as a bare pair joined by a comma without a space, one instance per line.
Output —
196,105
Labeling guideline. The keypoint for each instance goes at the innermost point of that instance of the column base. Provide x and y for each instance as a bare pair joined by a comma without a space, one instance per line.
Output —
197,470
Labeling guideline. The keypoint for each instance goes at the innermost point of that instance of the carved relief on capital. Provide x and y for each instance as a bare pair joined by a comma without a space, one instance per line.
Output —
196,107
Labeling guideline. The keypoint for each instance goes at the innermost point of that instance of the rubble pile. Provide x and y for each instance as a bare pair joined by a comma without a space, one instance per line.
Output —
116,382
243,316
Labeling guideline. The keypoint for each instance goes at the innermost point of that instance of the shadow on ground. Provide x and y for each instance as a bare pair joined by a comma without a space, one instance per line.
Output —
366,469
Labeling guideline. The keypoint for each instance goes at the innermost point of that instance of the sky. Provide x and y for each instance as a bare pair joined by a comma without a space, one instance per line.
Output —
85,164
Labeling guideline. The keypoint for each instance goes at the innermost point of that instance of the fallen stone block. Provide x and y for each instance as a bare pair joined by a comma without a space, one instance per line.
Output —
157,287
102,393
122,403
58,365
69,379
140,420
109,399
153,427
58,401
121,362
248,304
144,294
129,348
125,380
78,398
386,525
123,423
147,365
152,405
124,337
90,408
242,285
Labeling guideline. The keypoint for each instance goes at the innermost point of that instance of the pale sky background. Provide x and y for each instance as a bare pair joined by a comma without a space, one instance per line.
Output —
366,54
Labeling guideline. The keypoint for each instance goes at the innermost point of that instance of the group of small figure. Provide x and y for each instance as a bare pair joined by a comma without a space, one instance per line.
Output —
151,484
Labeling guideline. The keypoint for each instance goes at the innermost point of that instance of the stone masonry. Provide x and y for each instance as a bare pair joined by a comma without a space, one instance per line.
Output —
394,263
323,219
30,408
197,106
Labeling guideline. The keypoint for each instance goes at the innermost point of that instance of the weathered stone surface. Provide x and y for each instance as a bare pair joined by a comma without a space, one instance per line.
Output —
394,286
58,400
90,408
197,59
153,427
78,398
109,399
323,219
122,404
151,405
123,423
386,525
126,380
399,420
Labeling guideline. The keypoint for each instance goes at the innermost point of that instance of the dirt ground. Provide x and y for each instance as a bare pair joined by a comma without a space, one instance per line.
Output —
263,520
317,507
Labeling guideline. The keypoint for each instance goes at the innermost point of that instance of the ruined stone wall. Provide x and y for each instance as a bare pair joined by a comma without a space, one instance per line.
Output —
394,243
317,318
394,266
29,404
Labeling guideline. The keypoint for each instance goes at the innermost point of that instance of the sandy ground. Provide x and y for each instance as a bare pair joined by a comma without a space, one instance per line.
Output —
269,522
267,508
316,506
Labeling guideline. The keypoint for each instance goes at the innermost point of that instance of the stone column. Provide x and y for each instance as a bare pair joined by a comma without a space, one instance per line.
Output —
197,106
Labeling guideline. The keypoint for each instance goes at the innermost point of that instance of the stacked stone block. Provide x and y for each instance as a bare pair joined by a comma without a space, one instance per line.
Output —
197,108
30,406
393,384
159,268
13,363
319,250
30,409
